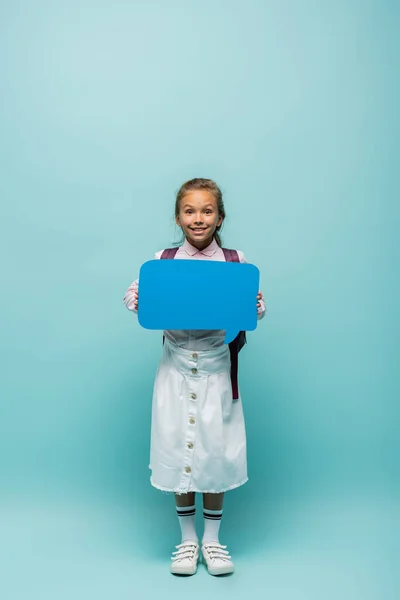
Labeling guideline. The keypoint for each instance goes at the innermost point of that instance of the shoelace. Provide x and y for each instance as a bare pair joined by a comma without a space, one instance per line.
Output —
184,551
216,551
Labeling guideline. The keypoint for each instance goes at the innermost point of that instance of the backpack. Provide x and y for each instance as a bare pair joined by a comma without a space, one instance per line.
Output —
240,340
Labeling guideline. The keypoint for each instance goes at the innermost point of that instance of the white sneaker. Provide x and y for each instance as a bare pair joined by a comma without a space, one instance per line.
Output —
185,559
217,558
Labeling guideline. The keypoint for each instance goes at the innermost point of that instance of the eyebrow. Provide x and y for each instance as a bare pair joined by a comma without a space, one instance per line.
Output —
190,206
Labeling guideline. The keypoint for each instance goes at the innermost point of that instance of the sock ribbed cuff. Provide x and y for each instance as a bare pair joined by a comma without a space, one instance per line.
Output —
212,515
185,511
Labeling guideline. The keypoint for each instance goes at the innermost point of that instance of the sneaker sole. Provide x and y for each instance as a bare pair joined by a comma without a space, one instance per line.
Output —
221,571
218,571
183,570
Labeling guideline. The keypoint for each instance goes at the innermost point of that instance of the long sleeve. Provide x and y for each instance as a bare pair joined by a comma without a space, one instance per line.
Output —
129,298
262,308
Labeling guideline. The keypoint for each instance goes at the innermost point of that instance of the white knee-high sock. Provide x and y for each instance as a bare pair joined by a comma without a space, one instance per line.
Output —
212,522
186,516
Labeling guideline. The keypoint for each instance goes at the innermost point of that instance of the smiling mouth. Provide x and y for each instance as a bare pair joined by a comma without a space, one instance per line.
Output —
198,229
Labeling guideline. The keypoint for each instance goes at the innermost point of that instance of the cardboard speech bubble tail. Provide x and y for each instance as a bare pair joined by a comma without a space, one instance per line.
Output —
230,335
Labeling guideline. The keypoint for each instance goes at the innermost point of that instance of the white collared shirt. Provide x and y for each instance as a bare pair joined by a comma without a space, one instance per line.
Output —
211,252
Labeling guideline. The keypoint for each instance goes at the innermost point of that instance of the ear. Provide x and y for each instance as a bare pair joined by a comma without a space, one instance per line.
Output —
220,221
177,221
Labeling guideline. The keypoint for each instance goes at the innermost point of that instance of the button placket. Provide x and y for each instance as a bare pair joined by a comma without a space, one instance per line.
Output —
191,427
191,433
194,360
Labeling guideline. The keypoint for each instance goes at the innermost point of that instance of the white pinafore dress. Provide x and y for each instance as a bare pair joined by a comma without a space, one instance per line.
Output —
198,438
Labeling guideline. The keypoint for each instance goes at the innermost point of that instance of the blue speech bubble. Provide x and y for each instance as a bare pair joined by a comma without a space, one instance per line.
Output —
188,294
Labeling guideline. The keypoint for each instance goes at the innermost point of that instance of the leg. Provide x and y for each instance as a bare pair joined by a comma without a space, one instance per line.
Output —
185,499
212,504
185,559
215,556
186,510
213,501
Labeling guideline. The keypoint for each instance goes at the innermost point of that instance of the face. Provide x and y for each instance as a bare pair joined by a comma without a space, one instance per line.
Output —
198,217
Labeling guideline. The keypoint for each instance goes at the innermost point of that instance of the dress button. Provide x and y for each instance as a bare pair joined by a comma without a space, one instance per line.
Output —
194,355
194,371
193,396
188,470
190,445
192,421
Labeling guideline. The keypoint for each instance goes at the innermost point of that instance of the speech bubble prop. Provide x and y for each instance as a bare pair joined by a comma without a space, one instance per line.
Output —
189,294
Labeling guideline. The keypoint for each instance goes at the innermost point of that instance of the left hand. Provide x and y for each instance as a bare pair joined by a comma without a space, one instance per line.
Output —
259,297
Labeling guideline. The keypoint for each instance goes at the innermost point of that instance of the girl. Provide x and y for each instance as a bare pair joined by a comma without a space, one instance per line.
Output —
198,439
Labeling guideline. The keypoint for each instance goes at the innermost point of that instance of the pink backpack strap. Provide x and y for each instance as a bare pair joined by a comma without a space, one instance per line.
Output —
234,348
169,253
231,255
237,344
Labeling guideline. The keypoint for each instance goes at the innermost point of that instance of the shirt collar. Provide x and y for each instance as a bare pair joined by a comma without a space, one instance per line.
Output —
191,250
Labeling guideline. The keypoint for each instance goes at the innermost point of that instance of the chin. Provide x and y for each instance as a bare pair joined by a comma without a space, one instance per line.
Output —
203,238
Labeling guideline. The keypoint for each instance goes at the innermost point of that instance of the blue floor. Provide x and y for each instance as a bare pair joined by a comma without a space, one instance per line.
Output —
345,550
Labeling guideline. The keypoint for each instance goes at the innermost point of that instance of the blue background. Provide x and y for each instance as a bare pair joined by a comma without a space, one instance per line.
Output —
106,108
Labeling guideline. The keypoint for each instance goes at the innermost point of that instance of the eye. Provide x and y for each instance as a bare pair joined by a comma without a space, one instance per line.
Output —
188,211
208,211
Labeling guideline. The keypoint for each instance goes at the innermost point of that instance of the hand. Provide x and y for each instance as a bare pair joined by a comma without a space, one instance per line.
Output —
259,297
136,300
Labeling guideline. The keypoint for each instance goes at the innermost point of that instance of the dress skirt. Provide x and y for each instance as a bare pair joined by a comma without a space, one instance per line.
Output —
198,437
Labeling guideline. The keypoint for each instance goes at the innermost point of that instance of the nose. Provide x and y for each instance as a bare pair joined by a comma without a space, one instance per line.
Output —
198,220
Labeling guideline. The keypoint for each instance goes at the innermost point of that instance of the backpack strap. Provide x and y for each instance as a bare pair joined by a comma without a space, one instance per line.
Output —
234,348
237,344
231,255
169,253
